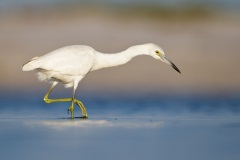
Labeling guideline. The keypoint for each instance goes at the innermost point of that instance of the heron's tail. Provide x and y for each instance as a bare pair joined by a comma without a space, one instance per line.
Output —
30,65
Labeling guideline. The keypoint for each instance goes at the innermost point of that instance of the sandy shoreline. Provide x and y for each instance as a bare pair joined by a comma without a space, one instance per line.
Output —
206,51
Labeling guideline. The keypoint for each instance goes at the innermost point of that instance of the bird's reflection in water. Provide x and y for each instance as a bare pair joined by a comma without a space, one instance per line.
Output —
100,123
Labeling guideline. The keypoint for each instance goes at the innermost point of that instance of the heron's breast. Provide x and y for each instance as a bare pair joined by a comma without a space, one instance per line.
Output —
47,75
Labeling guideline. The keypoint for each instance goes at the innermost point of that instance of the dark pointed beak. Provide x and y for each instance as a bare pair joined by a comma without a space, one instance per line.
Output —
175,67
170,63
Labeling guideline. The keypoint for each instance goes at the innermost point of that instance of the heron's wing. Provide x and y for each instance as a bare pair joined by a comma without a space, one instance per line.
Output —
72,60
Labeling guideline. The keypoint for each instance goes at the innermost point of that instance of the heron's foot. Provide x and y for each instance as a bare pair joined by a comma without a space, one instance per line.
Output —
71,110
81,106
83,109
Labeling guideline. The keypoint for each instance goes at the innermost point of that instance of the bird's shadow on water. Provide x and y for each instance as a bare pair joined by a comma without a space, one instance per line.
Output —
74,118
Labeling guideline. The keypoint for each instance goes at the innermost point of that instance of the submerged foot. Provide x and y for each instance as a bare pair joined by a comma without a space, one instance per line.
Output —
71,110
81,106
83,109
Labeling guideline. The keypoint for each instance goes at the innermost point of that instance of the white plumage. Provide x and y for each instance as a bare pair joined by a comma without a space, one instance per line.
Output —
70,64
67,64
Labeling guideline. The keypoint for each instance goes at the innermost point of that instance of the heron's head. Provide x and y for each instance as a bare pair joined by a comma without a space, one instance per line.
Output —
157,53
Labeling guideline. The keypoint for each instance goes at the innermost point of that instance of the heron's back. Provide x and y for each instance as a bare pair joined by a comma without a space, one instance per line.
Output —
63,63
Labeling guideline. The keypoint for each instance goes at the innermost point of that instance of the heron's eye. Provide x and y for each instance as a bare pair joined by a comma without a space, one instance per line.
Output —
157,52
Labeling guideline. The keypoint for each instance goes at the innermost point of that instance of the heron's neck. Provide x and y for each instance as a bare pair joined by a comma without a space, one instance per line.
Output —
103,60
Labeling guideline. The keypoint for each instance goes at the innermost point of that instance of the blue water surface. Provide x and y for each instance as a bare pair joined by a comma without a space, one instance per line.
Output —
121,127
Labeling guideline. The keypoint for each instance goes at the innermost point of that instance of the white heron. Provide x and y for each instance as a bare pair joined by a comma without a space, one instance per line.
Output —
71,64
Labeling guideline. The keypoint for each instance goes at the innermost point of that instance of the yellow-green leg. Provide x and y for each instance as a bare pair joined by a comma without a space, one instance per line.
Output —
73,100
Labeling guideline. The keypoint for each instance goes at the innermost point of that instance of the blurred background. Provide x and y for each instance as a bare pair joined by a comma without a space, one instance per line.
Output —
200,37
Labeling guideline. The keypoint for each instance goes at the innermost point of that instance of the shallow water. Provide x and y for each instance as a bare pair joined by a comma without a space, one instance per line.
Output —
167,128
